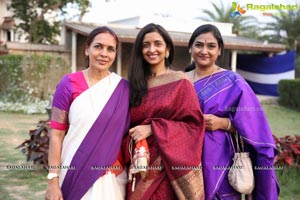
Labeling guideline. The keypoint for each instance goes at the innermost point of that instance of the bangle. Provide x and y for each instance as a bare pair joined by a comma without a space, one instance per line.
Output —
229,125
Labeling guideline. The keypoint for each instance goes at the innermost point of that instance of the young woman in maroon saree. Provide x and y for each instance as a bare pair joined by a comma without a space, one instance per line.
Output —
166,124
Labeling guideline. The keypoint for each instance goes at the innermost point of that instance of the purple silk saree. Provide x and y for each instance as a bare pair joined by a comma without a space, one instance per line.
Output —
227,94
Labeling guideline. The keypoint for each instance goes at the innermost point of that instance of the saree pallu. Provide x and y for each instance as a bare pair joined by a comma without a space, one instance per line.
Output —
172,109
98,118
227,94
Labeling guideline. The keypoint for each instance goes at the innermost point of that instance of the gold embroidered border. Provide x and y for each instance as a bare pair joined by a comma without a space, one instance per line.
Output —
143,185
59,115
190,186
166,78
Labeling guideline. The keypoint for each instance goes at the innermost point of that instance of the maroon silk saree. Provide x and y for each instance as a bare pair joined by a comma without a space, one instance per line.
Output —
172,108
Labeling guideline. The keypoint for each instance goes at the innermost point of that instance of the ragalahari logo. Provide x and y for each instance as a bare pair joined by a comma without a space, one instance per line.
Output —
236,10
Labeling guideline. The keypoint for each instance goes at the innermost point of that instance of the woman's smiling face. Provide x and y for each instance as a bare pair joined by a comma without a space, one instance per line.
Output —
154,49
205,50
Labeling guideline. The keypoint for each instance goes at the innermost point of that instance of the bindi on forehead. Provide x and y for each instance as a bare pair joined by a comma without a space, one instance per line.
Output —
206,41
206,38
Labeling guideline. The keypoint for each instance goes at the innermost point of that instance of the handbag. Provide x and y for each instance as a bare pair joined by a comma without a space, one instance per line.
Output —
140,158
240,174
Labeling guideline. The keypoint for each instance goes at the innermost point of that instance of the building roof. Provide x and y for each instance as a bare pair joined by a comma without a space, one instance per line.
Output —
128,34
7,23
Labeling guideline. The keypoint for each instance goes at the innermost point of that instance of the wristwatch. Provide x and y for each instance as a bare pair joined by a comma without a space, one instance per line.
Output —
51,176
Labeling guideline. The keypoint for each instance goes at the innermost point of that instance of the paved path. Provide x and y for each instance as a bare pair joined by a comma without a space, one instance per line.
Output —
267,99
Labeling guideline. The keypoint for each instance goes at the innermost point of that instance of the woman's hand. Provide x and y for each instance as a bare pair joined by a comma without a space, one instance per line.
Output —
140,132
53,190
213,123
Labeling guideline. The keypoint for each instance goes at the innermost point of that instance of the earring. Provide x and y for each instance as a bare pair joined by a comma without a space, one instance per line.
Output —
167,55
219,53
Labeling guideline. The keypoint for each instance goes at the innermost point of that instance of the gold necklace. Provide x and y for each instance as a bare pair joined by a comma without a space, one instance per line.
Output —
88,78
91,96
217,68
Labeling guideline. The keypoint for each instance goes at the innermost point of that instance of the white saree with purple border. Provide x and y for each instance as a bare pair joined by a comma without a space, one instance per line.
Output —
97,119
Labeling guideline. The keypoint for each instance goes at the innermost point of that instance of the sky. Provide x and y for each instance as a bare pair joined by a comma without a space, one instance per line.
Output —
103,11
118,9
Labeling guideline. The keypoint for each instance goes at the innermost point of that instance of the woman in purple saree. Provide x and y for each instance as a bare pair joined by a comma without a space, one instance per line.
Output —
90,116
225,94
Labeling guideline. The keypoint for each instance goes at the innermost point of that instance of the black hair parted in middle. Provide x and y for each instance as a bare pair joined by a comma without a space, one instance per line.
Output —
139,69
206,28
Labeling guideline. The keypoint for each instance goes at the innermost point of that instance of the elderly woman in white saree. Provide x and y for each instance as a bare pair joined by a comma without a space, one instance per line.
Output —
90,116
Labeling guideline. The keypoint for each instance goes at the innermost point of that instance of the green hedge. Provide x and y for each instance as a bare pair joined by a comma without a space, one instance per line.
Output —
28,77
10,76
29,80
289,93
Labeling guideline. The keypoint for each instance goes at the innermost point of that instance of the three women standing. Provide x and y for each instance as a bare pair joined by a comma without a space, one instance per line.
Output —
167,125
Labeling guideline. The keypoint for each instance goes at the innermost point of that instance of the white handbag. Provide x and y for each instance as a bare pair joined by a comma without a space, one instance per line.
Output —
240,175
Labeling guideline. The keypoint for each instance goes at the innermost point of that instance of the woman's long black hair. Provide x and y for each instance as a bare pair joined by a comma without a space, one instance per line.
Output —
206,28
139,69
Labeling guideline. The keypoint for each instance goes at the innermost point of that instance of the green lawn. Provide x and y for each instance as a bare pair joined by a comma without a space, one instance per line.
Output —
18,178
283,121
30,184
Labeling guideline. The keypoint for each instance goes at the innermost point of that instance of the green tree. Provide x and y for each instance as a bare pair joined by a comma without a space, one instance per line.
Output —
242,25
33,17
285,29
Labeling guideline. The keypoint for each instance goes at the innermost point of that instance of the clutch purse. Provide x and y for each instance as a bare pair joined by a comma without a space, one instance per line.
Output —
139,160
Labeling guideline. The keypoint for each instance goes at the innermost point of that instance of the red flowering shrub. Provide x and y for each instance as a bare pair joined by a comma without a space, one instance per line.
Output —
288,151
